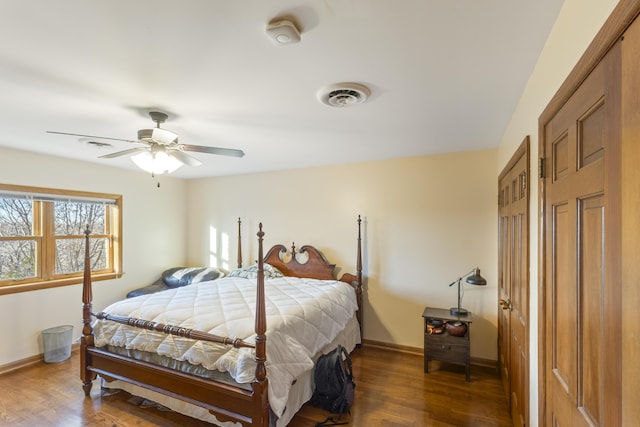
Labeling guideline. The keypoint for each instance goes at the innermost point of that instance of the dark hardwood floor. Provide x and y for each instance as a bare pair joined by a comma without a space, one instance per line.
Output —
391,390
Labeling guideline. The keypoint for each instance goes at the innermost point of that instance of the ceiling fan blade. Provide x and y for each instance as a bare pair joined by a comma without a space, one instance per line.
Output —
123,153
184,158
164,136
91,136
212,150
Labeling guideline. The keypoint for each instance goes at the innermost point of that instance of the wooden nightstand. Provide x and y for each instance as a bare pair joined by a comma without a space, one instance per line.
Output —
445,347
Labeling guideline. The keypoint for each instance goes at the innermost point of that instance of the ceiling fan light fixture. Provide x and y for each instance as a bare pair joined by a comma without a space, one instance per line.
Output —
156,163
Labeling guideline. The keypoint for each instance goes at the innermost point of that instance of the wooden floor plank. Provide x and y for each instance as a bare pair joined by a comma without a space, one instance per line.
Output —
391,391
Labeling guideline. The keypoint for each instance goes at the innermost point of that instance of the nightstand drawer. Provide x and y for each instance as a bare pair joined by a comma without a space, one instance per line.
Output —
447,352
444,338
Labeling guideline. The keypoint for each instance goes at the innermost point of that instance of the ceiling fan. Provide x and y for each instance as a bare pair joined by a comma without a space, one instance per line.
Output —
161,151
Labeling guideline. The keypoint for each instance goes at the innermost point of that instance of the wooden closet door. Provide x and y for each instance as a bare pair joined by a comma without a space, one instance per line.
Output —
581,204
513,283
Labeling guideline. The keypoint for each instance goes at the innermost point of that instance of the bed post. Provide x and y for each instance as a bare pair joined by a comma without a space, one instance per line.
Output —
260,398
359,277
359,256
239,244
356,281
86,340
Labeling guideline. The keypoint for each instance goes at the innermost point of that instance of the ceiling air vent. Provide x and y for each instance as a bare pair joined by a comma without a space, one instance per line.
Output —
344,94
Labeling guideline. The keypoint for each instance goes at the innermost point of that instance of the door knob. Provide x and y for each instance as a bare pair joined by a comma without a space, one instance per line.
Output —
505,304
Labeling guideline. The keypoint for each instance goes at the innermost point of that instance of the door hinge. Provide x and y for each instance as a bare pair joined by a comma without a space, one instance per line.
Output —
542,168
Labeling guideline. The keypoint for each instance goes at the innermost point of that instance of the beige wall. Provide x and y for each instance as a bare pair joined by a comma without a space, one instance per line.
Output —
154,228
427,220
576,26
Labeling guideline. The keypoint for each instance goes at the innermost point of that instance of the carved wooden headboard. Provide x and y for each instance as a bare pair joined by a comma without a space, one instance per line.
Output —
306,262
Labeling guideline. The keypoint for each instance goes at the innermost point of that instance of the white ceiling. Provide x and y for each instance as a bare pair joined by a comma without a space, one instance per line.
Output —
445,76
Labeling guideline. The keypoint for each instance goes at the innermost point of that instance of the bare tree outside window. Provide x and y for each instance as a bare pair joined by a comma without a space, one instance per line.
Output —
17,256
42,242
16,217
71,218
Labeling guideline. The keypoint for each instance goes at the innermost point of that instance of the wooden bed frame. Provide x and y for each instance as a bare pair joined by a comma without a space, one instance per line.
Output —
226,402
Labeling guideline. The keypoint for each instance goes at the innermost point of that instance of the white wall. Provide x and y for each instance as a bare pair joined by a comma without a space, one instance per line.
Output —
577,24
154,229
427,220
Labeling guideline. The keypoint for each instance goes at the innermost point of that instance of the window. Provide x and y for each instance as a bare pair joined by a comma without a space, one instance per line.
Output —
42,237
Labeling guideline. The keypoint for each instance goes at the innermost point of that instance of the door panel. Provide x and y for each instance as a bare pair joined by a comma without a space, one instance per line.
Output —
513,286
591,298
504,316
577,142
564,328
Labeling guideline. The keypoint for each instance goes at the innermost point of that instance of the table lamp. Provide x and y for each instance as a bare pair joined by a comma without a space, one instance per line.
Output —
473,278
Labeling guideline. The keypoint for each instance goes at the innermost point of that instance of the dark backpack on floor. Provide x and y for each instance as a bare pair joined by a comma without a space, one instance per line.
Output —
334,384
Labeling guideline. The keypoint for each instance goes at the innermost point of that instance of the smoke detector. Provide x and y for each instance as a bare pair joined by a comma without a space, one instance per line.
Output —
283,32
344,94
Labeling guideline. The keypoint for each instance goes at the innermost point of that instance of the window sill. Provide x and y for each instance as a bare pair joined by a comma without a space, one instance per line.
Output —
35,286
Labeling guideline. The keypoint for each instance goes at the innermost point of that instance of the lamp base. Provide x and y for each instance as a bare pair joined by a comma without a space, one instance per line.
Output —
458,311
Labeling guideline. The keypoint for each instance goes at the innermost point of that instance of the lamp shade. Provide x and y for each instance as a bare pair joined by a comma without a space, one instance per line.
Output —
156,162
475,278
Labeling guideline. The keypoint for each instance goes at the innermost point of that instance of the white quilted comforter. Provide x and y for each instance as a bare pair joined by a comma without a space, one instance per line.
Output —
303,316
